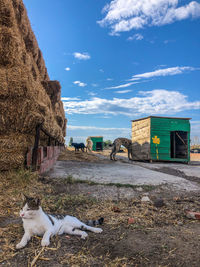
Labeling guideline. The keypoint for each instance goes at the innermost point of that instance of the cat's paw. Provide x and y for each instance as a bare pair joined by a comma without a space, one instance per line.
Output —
98,230
20,245
45,243
84,235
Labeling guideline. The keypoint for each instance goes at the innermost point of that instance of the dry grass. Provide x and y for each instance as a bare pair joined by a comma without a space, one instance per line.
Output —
74,252
70,154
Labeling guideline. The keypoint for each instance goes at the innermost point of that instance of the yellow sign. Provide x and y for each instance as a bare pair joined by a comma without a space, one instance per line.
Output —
156,140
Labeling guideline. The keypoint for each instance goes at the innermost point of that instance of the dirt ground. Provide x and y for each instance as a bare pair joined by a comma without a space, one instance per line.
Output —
135,233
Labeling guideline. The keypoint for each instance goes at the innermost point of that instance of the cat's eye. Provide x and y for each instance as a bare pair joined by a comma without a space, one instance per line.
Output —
28,209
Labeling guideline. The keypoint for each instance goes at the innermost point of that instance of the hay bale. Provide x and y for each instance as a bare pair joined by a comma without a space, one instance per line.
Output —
34,73
24,27
46,76
43,109
11,111
31,121
9,47
40,95
64,128
31,44
6,13
11,160
53,89
30,65
3,84
19,115
16,141
27,96
19,10
59,109
13,150
18,82
51,126
14,82
26,59
59,114
60,121
41,66
21,16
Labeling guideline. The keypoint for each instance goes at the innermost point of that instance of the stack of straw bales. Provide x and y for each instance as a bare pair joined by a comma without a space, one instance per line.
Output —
27,96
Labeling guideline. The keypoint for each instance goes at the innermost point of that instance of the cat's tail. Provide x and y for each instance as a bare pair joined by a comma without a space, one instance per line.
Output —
95,222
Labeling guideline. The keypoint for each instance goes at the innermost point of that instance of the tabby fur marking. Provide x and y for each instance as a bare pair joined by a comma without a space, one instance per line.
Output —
37,222
127,143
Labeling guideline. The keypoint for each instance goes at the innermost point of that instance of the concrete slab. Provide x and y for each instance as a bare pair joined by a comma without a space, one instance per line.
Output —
119,172
189,170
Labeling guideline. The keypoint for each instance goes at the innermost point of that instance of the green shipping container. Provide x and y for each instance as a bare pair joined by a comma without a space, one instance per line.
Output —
161,139
97,143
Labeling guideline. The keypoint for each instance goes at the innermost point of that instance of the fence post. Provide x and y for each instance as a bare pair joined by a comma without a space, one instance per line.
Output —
49,141
35,148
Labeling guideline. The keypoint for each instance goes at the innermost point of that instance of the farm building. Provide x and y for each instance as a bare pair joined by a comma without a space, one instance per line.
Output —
97,143
161,139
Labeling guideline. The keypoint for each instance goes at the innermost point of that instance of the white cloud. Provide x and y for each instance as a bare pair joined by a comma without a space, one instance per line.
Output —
168,41
123,91
85,131
121,86
91,93
67,69
94,84
164,72
155,102
195,122
82,56
137,37
81,84
125,15
195,129
70,98
109,79
72,127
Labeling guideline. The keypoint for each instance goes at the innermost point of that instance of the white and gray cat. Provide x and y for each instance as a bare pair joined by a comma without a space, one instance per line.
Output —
37,222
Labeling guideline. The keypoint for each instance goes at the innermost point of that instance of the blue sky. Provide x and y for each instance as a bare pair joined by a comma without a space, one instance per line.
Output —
121,60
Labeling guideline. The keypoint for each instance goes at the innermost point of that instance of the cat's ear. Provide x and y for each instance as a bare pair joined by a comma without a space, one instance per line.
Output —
37,201
24,197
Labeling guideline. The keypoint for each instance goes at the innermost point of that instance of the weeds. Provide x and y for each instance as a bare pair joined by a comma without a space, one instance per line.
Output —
71,180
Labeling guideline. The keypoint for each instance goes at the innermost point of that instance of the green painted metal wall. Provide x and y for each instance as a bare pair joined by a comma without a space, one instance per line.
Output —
161,127
95,140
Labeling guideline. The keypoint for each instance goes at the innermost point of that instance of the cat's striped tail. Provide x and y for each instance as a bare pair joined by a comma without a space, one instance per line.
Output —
95,222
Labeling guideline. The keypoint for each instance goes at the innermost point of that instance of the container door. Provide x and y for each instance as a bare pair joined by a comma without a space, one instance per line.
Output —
179,144
99,146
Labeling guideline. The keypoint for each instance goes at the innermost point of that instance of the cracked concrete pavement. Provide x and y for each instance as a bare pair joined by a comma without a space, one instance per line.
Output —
133,173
